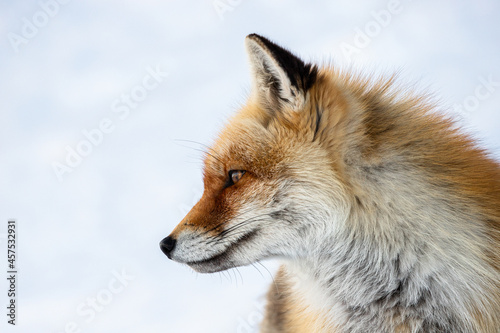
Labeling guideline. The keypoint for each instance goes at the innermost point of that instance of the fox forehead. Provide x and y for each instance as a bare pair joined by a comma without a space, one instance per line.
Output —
244,144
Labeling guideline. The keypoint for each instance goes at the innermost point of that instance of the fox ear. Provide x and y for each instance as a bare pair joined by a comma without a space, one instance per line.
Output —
279,77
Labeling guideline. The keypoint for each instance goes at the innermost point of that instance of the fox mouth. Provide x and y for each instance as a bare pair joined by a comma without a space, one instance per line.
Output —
225,259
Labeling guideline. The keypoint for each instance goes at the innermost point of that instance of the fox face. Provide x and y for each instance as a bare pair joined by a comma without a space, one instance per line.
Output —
269,187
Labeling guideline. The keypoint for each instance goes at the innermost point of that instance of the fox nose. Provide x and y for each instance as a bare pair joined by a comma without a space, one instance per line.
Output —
167,245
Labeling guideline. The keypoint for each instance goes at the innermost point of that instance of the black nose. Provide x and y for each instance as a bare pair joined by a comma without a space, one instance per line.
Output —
167,245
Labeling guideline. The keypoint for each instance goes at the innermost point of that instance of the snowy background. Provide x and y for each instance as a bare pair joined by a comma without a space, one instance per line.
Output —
119,82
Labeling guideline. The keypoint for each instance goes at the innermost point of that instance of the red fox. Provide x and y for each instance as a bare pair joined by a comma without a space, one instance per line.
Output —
385,214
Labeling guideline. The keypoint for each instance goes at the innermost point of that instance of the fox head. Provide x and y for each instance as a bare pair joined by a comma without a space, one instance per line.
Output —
270,186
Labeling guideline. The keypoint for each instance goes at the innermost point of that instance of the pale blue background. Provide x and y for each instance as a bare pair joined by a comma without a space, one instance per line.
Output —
110,213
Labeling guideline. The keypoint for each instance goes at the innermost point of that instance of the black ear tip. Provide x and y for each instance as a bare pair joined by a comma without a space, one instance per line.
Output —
258,38
253,36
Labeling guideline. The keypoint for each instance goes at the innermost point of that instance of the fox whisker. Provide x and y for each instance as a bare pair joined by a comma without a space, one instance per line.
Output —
212,153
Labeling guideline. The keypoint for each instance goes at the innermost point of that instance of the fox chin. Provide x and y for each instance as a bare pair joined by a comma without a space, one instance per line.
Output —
385,213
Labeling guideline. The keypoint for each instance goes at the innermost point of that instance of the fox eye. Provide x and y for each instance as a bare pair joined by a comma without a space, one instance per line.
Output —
235,176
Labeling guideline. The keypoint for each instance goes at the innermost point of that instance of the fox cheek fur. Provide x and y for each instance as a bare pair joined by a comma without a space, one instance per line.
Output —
388,215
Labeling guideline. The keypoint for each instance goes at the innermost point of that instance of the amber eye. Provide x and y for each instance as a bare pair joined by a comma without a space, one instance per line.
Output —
235,176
